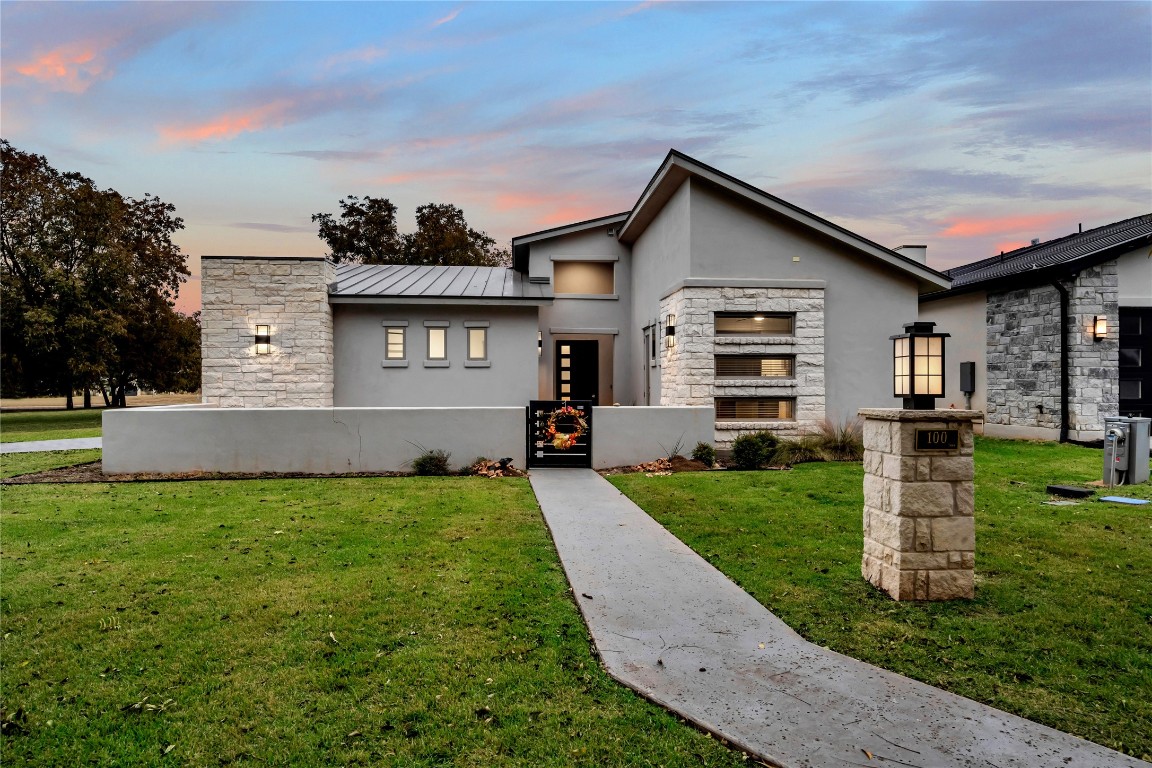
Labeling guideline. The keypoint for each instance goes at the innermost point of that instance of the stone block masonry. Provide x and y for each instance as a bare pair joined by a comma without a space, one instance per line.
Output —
919,532
290,295
689,368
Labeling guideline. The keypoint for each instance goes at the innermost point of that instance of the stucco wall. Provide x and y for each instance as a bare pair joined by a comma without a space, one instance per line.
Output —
963,317
865,301
362,380
337,440
291,296
588,317
1134,278
660,257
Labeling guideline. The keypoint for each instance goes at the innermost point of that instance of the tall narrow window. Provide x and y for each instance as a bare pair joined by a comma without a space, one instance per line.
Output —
437,343
394,344
477,343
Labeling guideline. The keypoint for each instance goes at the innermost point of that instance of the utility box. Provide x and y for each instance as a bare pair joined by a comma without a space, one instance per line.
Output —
1125,450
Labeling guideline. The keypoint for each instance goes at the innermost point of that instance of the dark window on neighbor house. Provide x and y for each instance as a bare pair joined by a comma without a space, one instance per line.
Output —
755,408
755,366
754,324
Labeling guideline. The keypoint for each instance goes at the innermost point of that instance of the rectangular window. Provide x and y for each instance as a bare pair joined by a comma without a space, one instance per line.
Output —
437,343
394,344
755,366
755,408
1130,389
1131,358
586,277
754,324
477,343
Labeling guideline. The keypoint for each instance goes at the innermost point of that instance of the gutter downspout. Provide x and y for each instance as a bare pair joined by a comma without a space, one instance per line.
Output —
1064,378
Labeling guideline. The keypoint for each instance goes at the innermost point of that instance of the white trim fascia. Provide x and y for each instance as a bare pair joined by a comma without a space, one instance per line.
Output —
593,296
750,282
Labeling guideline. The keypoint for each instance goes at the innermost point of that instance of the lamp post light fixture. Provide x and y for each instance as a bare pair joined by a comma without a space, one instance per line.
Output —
918,366
1100,327
263,339
670,332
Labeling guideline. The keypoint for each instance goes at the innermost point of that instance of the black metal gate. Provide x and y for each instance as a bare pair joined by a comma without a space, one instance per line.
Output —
559,433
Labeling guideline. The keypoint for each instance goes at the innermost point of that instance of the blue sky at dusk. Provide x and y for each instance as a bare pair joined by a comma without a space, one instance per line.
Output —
971,127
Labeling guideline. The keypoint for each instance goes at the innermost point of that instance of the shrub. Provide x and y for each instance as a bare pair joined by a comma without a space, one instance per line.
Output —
704,453
806,449
432,463
754,450
841,442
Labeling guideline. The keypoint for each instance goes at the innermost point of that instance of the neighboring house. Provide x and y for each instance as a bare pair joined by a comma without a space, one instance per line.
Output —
707,292
1028,320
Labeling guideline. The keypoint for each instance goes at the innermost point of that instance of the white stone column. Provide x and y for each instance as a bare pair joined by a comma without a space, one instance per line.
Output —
919,533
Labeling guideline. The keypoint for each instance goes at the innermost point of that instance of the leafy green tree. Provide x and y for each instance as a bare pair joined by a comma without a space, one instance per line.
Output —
366,233
82,270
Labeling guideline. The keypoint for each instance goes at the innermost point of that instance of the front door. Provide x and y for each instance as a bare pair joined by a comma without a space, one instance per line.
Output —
578,370
1135,361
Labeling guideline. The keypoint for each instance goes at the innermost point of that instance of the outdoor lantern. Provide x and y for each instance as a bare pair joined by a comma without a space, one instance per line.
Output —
918,366
1100,327
263,340
670,332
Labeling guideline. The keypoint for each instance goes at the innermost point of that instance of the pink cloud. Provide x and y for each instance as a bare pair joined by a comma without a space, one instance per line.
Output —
451,16
71,68
977,226
232,124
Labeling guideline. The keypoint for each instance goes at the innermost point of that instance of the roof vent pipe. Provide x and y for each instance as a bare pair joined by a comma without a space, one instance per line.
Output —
1035,241
918,253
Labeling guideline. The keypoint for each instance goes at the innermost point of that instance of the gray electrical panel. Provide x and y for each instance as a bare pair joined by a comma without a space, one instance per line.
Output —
1125,450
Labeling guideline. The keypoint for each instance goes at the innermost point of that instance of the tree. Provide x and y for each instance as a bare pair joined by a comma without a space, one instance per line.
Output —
366,232
83,271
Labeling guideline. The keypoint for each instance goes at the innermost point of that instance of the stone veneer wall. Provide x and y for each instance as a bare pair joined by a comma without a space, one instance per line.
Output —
291,296
688,374
1023,327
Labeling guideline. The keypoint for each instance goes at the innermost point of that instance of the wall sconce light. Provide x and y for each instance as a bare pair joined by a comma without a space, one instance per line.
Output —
1100,327
539,343
918,366
670,332
263,339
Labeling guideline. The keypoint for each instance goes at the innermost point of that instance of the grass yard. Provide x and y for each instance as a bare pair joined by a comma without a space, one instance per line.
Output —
12,464
370,621
1061,628
19,426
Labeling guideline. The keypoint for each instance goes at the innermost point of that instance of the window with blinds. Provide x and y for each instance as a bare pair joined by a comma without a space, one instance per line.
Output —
754,324
754,408
755,366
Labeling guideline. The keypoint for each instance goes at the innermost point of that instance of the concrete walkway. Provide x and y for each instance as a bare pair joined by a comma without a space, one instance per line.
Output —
71,444
672,627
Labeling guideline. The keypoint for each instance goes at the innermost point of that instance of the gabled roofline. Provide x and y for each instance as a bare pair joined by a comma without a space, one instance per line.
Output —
520,243
677,167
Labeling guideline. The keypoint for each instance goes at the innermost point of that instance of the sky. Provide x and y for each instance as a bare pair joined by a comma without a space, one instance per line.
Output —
972,127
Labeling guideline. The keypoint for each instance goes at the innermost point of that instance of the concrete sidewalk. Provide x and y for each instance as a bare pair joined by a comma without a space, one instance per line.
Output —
71,444
672,627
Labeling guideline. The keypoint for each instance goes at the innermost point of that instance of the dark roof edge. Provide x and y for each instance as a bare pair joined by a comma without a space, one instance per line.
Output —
520,243
1044,275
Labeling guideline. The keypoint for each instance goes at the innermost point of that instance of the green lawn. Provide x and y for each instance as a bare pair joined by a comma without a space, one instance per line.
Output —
12,464
18,426
369,621
1061,628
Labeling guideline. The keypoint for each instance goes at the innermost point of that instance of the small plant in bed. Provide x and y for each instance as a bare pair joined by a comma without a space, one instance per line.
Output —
432,463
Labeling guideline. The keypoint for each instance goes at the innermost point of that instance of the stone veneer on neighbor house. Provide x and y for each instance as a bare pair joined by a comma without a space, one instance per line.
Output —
689,368
291,296
1023,327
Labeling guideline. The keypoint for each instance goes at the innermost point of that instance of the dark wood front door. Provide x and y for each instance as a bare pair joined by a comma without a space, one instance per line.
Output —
578,370
1135,361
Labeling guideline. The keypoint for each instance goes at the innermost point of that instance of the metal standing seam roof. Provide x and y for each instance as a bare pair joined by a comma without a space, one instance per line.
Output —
403,281
1052,253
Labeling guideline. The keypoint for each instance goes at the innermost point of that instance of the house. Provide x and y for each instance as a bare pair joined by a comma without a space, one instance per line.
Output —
708,292
1060,332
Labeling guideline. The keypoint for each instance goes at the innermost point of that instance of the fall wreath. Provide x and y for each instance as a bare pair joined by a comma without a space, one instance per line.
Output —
562,441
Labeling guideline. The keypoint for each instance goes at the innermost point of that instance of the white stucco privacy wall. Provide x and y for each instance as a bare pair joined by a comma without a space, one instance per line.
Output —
338,440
